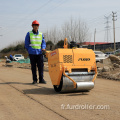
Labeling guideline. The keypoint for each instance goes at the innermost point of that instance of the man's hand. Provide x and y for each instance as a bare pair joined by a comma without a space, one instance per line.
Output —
43,49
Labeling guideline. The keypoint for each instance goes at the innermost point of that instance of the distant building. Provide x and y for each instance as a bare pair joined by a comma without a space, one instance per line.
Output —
100,45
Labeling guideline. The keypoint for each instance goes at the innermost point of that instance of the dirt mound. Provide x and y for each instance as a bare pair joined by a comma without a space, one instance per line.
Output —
109,68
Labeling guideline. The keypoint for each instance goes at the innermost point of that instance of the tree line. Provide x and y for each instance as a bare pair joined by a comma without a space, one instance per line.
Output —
74,30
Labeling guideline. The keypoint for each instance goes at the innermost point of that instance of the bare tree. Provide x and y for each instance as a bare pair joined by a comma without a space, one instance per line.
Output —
74,30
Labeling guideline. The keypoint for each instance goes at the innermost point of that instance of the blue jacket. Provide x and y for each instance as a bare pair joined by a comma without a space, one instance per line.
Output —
30,49
11,57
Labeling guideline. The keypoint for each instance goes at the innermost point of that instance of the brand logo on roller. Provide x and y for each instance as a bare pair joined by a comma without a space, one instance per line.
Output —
53,53
84,59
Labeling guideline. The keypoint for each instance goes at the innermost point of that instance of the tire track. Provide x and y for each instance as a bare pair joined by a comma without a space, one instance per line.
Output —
35,100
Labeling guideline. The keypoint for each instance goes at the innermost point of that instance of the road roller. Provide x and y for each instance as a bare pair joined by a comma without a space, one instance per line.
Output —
72,69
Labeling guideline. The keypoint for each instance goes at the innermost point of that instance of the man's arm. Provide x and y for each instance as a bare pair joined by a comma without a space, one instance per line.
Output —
43,46
27,41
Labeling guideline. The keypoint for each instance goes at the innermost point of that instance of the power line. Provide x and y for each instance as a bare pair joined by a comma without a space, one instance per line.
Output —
32,13
97,19
61,3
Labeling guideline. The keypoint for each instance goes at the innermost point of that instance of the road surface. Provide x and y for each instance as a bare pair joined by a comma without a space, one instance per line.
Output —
20,100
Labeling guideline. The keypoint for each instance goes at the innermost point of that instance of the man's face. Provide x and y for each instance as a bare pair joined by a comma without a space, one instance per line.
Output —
35,27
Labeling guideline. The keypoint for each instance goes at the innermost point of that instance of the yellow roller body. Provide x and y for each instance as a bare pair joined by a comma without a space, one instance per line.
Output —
72,69
62,61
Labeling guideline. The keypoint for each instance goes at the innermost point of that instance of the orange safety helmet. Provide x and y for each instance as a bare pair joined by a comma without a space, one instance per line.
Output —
35,22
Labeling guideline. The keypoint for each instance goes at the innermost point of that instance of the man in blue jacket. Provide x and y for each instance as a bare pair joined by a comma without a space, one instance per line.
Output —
35,44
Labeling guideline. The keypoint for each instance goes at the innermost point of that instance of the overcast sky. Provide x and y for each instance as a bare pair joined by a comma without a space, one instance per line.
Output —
16,17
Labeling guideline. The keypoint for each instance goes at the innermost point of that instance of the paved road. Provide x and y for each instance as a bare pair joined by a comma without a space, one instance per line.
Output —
19,100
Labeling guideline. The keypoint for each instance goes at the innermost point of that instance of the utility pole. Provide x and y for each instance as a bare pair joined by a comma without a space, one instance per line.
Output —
0,36
114,13
0,27
71,30
94,38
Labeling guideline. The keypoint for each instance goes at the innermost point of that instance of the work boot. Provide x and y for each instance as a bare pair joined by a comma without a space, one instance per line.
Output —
43,81
34,82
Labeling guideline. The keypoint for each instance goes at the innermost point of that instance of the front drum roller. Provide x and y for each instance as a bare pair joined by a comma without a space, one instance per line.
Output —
83,80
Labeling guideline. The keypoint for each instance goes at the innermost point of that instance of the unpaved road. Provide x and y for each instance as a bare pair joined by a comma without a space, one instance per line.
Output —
20,100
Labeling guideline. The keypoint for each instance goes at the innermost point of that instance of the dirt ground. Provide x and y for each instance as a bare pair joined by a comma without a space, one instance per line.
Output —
20,100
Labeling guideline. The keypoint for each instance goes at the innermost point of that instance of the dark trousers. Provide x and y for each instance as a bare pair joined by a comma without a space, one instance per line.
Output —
36,60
